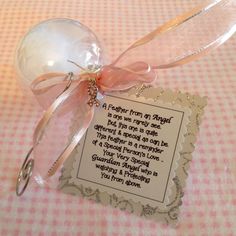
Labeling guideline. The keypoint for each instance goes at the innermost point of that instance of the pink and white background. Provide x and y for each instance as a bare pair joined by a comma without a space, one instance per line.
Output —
209,204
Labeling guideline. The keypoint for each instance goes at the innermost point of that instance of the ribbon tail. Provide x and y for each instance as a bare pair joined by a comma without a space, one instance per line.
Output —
79,133
184,38
59,132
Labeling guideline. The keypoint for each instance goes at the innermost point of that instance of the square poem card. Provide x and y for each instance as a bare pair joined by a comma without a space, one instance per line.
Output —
135,154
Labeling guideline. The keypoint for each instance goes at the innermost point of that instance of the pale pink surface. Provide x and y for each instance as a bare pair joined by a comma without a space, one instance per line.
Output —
209,204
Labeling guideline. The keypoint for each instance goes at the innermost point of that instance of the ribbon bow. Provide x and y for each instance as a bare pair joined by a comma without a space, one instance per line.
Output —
74,96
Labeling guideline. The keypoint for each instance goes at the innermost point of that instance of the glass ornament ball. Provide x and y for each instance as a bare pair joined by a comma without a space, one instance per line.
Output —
48,46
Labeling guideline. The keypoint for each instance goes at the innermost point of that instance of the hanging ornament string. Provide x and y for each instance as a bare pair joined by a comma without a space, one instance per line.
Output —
129,69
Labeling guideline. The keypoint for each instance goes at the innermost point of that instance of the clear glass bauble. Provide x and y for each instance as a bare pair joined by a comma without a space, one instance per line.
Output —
50,45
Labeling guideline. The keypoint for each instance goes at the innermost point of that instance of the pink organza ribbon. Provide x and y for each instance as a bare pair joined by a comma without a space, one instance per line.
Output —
166,47
109,78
